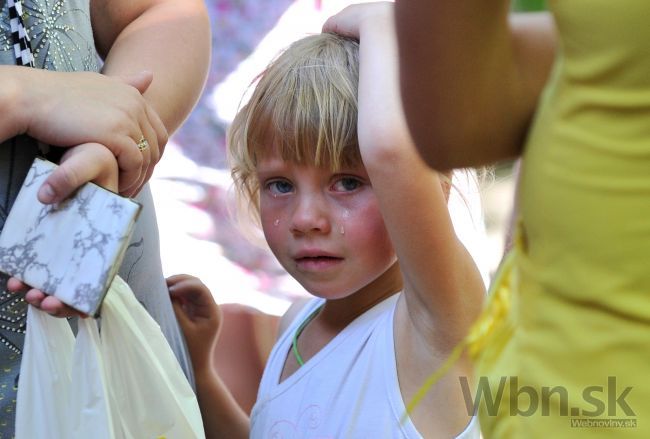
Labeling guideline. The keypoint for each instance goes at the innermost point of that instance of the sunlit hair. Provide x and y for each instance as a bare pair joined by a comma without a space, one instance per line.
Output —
303,107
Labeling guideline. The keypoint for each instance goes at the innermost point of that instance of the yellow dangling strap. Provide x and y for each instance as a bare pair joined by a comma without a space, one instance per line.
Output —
495,311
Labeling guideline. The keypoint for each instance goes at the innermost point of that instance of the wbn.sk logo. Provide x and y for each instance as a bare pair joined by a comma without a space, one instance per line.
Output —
527,400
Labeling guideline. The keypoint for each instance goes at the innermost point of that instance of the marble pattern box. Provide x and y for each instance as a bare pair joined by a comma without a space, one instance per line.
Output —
72,249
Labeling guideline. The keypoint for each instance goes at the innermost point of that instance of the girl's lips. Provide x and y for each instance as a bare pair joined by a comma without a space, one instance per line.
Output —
317,263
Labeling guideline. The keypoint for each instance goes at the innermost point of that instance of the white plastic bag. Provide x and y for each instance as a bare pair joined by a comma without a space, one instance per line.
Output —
44,377
122,383
151,394
90,412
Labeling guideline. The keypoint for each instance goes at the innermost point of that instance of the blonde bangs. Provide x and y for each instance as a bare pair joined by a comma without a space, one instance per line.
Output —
304,108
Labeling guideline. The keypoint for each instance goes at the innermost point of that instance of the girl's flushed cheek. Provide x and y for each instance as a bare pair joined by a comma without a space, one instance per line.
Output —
365,225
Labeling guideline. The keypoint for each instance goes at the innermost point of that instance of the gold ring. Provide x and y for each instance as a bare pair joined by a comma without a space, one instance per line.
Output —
143,144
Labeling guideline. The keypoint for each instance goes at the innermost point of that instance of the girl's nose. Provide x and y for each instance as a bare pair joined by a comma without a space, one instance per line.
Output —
310,216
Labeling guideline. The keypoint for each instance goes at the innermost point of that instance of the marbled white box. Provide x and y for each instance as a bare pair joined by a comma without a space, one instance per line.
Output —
72,249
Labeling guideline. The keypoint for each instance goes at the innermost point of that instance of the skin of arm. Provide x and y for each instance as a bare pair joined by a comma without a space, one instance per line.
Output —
443,290
170,38
200,319
67,109
140,40
470,89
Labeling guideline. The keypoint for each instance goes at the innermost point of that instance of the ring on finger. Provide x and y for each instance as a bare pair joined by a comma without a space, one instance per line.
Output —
143,144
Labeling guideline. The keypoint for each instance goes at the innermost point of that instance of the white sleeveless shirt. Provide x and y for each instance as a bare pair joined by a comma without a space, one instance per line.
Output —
349,389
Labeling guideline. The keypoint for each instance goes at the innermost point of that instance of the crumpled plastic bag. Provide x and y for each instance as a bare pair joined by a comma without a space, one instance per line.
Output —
122,381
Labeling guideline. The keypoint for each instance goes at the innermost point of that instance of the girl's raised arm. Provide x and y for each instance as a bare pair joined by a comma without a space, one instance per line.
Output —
470,77
444,290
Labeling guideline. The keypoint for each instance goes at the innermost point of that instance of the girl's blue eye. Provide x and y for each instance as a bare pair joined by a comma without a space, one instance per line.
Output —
279,187
347,184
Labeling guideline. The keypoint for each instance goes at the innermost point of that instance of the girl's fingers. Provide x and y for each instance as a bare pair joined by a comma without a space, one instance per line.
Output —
173,280
181,315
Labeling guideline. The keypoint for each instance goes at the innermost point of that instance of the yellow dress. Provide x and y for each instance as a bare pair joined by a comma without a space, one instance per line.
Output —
568,328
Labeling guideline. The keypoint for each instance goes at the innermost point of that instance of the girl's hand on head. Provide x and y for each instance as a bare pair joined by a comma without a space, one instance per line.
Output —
71,108
81,164
198,315
42,301
349,21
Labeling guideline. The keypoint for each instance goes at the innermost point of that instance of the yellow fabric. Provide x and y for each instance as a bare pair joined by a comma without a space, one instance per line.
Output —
572,304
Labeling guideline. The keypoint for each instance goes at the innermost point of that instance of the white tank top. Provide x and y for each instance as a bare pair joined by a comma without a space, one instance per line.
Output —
349,389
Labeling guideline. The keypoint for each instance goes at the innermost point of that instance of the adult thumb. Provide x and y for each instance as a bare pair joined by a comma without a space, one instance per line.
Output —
79,165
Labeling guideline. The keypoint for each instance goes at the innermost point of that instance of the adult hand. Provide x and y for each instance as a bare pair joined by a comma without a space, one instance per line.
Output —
198,315
42,301
72,108
83,163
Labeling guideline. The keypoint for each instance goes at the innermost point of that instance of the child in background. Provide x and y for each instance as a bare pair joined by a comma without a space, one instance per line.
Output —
322,153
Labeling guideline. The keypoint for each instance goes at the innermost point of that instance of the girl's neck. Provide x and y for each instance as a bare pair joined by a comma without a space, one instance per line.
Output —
335,315
338,313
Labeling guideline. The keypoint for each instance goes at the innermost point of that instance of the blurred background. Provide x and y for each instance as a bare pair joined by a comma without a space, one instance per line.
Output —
191,187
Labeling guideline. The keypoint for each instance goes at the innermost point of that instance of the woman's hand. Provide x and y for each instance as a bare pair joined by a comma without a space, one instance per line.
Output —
198,315
83,163
42,301
72,108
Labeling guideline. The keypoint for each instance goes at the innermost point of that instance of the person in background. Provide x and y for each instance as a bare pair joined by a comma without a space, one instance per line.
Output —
106,120
570,310
322,156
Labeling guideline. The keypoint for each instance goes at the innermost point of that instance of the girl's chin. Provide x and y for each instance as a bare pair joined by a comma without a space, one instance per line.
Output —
327,293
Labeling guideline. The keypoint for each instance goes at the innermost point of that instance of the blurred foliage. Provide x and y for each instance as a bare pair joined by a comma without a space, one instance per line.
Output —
529,5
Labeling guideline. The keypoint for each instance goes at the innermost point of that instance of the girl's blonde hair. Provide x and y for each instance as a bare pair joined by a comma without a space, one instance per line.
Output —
304,107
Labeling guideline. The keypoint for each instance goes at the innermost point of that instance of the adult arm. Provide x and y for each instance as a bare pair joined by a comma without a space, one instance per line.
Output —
170,38
470,86
67,109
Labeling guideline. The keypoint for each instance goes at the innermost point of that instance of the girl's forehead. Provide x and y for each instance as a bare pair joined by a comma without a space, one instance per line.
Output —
271,161
274,163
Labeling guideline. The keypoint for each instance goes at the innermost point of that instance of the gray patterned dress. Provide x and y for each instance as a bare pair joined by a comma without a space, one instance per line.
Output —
61,38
